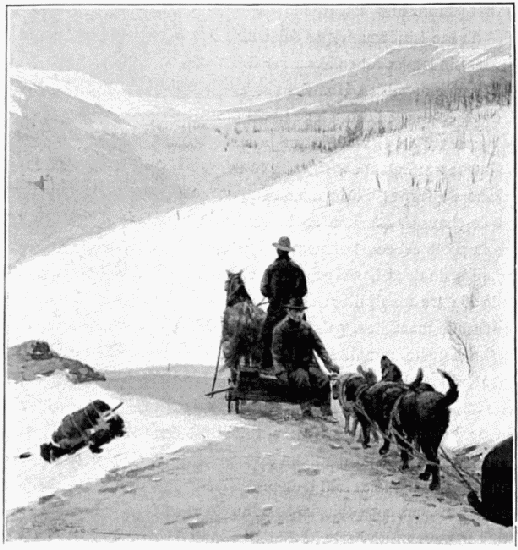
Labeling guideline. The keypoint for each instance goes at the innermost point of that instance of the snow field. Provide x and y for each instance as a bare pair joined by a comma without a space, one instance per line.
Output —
416,242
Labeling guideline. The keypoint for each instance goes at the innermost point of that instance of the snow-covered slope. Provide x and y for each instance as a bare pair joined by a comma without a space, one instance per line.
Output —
412,70
153,429
94,174
415,247
82,86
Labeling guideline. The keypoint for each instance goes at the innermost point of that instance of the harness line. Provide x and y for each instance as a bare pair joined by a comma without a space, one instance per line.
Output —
462,474
414,451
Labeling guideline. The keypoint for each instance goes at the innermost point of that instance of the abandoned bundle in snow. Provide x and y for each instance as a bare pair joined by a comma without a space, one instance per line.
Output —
92,426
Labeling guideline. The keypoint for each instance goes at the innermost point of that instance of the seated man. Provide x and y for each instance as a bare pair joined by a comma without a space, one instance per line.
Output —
294,363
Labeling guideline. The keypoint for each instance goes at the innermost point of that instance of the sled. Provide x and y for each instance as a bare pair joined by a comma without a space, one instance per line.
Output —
248,381
255,384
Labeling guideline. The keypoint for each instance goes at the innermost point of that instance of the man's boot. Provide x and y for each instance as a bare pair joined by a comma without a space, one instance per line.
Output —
327,414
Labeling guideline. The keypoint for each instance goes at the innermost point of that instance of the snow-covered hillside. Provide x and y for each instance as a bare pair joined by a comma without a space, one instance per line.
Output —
153,429
406,241
95,177
398,79
82,86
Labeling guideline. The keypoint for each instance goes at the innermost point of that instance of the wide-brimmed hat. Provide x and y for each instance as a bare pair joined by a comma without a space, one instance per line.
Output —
284,244
296,303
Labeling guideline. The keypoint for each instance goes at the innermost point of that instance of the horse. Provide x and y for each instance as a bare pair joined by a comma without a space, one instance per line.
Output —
242,325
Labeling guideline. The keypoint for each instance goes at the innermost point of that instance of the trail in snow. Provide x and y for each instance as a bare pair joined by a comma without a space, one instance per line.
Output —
418,239
35,409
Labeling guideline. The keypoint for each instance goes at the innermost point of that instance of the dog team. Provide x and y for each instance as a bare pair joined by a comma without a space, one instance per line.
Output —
416,416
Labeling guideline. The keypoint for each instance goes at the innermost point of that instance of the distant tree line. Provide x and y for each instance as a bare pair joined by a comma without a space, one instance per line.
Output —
469,96
326,132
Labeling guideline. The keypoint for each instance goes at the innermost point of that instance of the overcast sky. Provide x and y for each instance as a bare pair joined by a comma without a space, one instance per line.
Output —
225,56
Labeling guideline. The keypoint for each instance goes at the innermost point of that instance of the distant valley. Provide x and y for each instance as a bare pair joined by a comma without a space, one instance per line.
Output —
84,157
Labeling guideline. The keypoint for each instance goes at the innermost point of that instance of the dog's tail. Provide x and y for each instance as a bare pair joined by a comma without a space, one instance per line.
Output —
418,379
453,392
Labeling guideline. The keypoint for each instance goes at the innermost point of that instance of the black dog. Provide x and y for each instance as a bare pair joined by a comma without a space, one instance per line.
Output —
374,405
421,416
374,402
496,488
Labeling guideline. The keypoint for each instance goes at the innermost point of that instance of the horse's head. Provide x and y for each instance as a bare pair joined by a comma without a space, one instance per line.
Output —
234,281
235,288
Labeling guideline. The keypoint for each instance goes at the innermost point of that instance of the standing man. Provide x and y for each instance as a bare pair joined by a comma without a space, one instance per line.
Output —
294,346
282,280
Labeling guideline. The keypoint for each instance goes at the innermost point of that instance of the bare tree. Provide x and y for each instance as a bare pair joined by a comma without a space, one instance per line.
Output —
493,150
460,343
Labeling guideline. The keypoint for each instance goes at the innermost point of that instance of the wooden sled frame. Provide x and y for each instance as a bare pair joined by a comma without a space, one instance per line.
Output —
254,384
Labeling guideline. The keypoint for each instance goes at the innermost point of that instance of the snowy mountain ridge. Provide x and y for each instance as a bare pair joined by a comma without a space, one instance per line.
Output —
404,69
82,86
389,73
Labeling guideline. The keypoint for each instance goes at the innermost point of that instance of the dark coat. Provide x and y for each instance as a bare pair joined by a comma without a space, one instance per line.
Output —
74,427
293,346
83,427
283,280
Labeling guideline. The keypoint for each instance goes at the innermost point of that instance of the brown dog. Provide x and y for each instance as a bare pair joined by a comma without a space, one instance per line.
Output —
348,384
